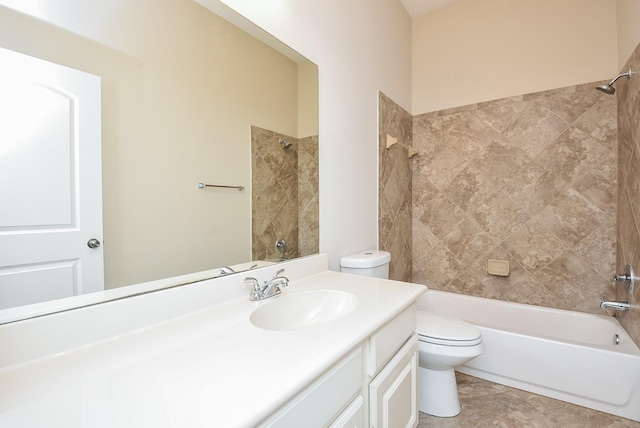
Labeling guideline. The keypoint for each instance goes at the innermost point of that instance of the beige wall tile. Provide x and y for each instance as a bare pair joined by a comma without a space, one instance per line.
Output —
536,185
628,234
395,187
529,179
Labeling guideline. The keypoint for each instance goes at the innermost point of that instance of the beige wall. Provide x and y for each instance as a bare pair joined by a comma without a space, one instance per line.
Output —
628,29
178,103
474,51
307,99
361,47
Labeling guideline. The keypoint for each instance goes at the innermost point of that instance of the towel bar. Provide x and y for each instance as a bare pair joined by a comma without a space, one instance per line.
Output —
202,186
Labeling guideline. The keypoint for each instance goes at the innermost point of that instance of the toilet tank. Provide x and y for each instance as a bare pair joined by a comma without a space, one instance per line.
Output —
368,263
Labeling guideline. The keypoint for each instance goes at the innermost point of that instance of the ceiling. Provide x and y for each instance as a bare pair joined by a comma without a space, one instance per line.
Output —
420,7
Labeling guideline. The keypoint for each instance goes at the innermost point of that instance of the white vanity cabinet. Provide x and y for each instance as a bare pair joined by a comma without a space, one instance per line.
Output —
375,385
320,403
393,369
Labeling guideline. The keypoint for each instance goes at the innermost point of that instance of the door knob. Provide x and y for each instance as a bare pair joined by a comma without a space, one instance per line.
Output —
93,243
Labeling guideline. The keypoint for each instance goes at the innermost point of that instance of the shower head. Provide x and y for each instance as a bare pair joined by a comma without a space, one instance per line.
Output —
608,88
284,144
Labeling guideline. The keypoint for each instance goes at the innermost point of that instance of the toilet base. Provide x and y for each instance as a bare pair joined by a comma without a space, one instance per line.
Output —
438,392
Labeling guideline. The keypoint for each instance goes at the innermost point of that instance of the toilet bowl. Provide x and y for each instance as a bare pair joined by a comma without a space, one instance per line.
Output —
444,343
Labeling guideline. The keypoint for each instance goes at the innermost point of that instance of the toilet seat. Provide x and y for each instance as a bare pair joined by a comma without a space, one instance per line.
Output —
442,330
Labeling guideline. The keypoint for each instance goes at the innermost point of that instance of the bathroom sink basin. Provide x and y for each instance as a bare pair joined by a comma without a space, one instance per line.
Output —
303,310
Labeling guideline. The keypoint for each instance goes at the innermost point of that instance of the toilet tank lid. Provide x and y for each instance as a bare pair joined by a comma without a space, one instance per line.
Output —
366,259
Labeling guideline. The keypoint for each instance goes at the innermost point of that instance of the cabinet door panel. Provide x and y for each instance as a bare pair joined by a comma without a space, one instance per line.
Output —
394,392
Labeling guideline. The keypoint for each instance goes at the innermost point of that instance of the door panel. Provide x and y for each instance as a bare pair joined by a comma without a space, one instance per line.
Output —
27,284
50,181
36,181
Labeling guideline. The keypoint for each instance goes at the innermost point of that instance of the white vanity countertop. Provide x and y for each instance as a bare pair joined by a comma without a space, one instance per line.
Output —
208,368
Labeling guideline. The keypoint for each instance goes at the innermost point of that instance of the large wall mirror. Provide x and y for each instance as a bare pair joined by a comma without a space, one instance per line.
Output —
186,98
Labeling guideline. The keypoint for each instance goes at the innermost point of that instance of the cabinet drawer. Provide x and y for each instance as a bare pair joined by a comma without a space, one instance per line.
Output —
385,342
320,403
352,416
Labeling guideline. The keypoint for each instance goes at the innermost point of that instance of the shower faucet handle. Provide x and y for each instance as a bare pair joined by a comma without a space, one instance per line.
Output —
627,277
622,278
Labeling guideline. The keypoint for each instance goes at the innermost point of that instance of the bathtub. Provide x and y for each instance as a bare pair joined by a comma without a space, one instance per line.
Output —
569,356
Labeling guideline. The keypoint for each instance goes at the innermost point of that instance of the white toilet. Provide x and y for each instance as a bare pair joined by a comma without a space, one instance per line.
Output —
444,343
368,263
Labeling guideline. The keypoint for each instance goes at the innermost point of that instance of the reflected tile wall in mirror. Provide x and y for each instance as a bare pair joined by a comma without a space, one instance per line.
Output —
308,199
284,195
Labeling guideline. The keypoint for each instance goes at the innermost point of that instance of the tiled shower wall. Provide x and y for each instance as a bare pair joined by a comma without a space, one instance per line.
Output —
529,179
284,202
394,193
308,199
628,237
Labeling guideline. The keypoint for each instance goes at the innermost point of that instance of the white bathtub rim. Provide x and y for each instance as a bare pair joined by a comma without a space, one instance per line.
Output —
627,345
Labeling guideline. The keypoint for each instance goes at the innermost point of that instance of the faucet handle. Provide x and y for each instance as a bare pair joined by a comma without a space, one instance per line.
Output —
253,282
283,280
254,294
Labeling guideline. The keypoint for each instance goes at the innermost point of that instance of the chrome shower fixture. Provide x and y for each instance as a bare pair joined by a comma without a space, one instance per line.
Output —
284,144
608,88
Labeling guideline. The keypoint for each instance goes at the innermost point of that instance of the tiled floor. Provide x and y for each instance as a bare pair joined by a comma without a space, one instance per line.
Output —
486,404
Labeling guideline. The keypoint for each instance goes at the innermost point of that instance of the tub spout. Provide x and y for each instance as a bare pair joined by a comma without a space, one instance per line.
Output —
618,306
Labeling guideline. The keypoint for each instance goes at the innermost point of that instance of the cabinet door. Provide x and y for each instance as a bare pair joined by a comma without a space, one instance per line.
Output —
393,394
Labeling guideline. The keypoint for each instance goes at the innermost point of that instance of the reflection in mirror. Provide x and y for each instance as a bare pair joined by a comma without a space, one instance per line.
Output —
184,93
285,197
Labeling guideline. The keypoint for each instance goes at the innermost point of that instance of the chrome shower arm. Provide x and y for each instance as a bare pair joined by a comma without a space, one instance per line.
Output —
627,74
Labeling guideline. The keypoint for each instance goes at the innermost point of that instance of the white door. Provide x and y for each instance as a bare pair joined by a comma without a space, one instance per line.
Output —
50,181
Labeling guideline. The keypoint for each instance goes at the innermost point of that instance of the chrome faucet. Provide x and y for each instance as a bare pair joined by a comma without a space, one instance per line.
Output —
618,306
226,270
269,288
